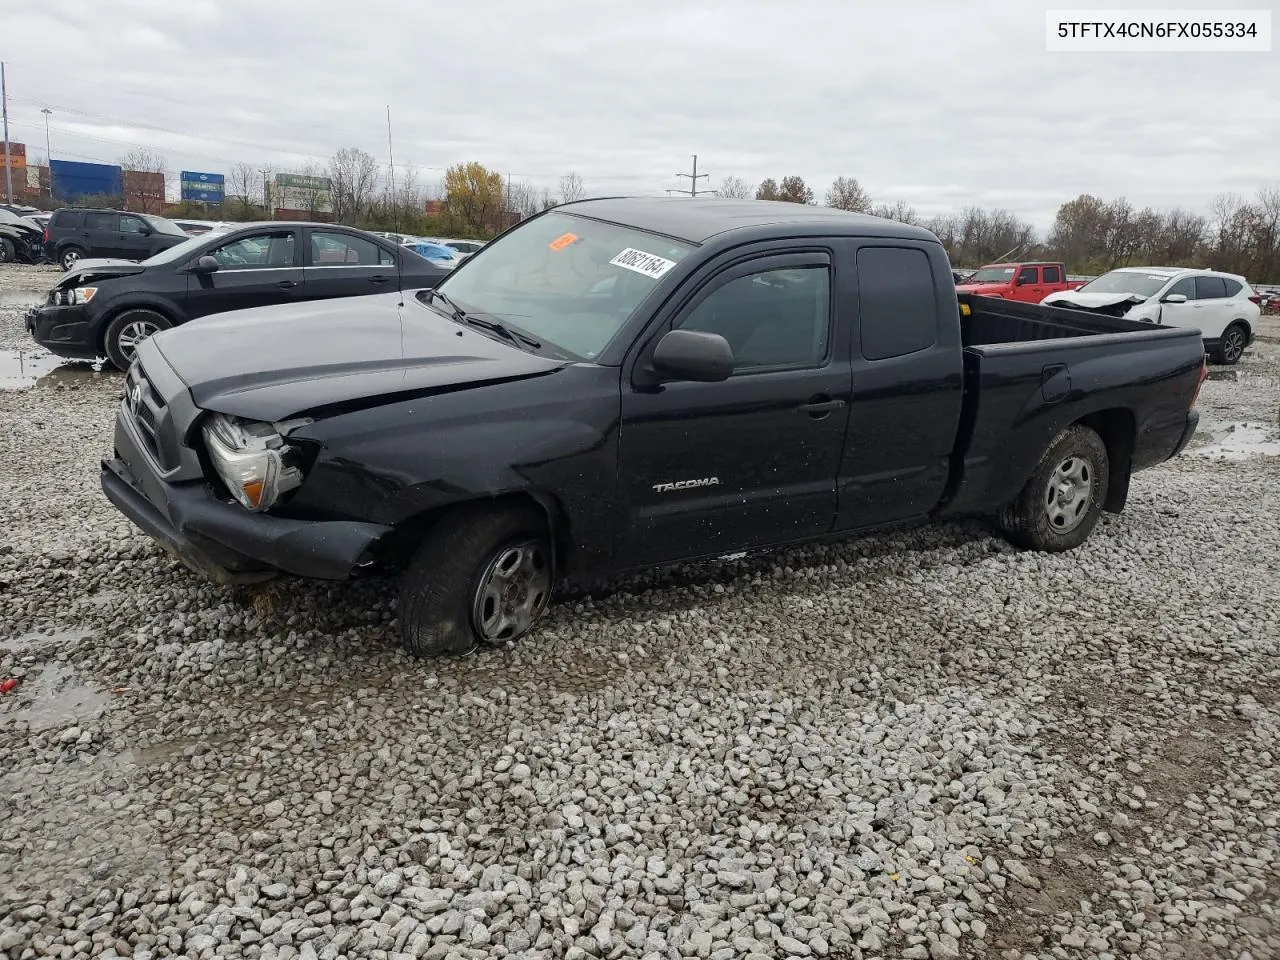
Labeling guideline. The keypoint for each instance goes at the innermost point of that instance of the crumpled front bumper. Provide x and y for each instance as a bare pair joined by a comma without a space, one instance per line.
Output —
221,540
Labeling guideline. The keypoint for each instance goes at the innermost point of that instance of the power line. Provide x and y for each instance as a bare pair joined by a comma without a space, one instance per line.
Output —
694,177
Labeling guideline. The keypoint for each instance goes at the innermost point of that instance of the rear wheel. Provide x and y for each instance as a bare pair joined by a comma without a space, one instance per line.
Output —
70,257
127,331
1061,501
8,252
1231,345
481,576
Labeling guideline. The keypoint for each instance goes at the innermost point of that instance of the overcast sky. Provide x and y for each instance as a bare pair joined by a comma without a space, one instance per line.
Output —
943,104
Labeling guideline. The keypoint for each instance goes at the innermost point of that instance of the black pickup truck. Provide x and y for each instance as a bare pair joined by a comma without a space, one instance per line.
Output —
620,383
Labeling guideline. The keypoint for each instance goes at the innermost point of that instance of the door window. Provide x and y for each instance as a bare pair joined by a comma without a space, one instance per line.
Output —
1052,274
132,225
102,222
258,251
344,250
1186,286
1233,287
1028,275
1210,288
774,318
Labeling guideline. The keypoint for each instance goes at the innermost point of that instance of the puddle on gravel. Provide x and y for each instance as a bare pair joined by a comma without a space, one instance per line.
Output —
1238,441
1231,376
23,369
53,698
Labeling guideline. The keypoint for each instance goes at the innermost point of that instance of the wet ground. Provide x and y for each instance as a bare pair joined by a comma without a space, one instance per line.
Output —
923,740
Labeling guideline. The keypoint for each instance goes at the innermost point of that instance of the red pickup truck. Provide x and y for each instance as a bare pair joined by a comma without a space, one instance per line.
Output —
1028,282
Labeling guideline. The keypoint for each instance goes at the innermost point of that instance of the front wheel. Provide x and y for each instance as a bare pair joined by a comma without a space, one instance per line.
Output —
1062,500
1231,346
8,252
481,576
127,331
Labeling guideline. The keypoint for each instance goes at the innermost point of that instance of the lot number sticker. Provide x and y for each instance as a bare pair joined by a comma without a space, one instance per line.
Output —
641,262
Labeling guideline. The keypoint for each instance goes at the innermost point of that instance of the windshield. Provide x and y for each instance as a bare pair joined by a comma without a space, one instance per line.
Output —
1127,281
178,250
565,279
161,225
993,275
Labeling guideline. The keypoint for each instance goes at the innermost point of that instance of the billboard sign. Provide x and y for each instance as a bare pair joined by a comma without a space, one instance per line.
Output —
73,180
300,192
204,187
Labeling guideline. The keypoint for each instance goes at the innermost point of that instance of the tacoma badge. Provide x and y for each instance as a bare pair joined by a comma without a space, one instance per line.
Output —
686,484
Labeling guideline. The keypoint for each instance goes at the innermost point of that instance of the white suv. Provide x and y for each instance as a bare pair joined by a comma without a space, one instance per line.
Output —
1222,306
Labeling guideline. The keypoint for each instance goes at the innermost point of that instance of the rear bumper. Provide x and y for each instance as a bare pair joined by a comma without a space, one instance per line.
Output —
1193,421
222,540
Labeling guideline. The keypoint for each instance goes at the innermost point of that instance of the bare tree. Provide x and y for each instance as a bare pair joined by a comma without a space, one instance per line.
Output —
546,200
571,187
735,188
846,193
899,210
355,181
144,179
522,201
244,187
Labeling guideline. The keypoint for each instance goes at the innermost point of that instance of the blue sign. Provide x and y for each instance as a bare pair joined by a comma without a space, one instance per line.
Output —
73,180
205,187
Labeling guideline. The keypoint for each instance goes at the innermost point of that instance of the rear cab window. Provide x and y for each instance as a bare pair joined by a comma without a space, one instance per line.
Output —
897,305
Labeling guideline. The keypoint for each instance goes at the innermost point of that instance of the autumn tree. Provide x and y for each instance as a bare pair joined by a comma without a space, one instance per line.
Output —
473,197
793,190
734,188
845,193
768,190
355,185
571,187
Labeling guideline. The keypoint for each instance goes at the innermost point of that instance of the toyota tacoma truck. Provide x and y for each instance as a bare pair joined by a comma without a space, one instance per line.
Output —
621,383
1025,282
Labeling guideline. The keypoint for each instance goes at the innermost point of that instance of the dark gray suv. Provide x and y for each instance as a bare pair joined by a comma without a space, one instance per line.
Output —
74,235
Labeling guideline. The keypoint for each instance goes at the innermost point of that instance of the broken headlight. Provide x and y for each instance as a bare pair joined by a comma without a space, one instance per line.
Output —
252,459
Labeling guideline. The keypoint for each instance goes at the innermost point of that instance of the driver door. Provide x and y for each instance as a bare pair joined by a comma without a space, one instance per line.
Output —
711,468
257,269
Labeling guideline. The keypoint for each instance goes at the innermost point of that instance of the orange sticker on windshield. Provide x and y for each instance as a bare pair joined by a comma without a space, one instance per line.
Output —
562,241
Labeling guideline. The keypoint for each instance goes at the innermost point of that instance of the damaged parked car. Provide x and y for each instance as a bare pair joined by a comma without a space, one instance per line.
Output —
107,307
1222,306
615,384
21,239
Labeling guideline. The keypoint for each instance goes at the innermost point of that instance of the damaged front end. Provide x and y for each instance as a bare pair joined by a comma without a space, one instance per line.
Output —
1117,306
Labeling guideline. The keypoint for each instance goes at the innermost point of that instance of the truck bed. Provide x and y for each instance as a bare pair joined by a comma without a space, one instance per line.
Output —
1032,370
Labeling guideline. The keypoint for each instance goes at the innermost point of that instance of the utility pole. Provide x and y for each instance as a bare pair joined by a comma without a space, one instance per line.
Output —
4,111
266,199
693,180
48,150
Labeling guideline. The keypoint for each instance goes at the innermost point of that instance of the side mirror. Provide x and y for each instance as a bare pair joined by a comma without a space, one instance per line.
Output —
693,355
1175,298
206,264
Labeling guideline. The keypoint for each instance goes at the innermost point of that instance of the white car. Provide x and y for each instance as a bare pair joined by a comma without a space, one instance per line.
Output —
1222,306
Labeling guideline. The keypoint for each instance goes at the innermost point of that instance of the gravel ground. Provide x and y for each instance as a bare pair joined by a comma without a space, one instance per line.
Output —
920,745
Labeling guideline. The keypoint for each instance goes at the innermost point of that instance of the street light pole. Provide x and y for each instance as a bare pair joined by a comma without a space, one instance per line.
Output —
4,111
48,151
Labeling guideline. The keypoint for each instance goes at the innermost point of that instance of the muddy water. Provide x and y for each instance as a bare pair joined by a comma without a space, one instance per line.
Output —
23,369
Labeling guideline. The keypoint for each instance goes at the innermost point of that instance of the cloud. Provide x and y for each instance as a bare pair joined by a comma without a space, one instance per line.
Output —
940,104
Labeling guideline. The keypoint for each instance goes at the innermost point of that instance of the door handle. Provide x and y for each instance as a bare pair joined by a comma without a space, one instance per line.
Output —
820,406
287,283
379,279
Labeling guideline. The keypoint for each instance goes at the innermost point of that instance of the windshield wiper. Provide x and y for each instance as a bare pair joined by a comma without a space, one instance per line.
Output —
511,334
502,330
458,313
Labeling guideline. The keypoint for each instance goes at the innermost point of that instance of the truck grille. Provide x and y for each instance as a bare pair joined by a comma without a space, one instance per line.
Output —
146,407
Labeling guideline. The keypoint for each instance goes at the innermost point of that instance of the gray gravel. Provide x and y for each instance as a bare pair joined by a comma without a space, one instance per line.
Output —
922,744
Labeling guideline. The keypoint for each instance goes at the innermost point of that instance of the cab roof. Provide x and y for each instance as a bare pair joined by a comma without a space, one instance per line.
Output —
697,221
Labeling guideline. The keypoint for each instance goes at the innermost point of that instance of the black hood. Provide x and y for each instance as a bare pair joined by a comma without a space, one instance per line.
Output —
272,363
87,270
